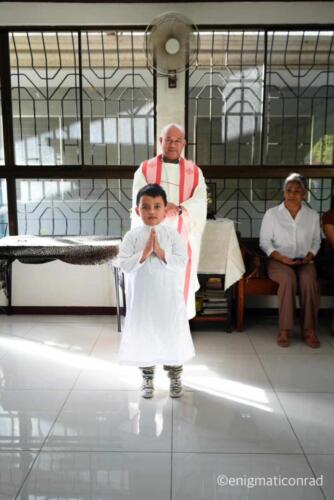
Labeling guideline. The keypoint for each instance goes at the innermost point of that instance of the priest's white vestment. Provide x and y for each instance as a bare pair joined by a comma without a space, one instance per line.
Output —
156,327
194,216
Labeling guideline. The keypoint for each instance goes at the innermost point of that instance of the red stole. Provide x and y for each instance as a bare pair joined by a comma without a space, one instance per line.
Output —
189,173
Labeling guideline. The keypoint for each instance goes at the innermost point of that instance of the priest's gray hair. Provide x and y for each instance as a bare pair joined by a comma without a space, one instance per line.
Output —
170,125
294,177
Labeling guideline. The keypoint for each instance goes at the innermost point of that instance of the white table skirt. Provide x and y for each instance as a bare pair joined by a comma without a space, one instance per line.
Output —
220,251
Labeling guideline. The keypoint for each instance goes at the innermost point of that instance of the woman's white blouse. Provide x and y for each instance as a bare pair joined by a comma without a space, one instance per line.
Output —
290,237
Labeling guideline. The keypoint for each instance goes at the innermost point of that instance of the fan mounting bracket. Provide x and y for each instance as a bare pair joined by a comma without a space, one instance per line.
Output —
172,79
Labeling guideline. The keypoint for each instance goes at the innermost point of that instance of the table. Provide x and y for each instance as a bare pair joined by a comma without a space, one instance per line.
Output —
220,251
79,250
221,255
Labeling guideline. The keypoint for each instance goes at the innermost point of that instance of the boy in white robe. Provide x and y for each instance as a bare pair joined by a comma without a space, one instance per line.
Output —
153,257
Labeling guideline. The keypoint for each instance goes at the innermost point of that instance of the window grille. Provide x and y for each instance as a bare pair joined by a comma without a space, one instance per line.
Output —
262,99
80,99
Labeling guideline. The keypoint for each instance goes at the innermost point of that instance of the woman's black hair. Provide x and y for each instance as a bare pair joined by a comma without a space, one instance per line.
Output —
152,190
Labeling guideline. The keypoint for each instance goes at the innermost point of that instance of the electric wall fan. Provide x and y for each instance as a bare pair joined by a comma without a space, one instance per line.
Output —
171,45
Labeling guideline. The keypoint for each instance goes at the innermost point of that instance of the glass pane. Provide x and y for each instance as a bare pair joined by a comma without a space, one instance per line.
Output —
300,98
226,119
225,99
320,194
45,93
3,209
118,99
74,207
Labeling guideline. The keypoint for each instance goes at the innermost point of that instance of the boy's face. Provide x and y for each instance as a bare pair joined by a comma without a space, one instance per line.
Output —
151,210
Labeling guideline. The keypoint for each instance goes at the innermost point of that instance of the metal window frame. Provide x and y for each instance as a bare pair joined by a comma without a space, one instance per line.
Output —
10,172
261,171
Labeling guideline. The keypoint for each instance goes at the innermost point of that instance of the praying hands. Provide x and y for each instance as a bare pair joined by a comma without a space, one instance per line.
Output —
153,247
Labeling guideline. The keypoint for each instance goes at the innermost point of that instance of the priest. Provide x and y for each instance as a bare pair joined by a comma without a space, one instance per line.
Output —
186,191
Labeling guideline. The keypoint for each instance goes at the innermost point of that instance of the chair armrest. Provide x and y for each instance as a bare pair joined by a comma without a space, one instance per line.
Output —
255,262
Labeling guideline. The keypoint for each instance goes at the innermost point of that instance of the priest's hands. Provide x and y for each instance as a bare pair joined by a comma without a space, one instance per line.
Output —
153,246
172,210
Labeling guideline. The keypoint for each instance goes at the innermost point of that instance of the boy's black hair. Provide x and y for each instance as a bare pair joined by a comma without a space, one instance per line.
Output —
152,190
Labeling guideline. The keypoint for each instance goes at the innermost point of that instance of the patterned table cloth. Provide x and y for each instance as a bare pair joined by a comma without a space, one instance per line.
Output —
79,250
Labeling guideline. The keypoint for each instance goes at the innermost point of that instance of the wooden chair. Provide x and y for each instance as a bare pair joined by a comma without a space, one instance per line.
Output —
256,281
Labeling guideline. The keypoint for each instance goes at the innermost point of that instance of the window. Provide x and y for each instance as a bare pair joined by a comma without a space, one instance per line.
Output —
259,102
300,97
45,98
225,98
118,103
73,206
81,100
262,99
99,113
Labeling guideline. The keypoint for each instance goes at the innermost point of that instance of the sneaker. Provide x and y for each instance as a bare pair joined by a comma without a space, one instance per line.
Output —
176,388
147,389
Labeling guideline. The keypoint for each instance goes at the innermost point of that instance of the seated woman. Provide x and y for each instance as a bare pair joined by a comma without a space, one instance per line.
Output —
290,236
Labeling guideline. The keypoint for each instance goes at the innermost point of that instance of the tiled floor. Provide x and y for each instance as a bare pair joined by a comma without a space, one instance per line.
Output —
73,424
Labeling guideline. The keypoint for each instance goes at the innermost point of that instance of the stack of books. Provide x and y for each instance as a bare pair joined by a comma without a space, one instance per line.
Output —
214,303
211,300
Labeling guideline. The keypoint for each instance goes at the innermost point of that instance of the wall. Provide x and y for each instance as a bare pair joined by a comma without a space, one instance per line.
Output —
238,13
60,284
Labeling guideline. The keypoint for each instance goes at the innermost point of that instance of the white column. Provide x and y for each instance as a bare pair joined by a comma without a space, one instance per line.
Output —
170,103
